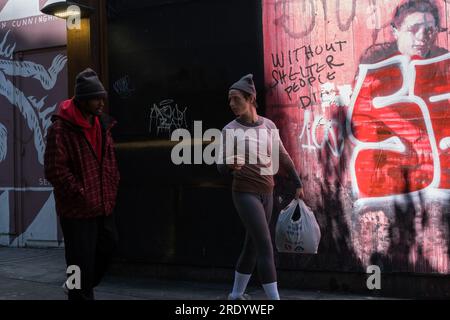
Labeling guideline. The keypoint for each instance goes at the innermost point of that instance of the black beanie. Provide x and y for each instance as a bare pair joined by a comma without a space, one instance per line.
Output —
87,85
245,84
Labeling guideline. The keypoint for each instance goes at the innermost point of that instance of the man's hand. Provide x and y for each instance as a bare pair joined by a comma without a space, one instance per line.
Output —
299,194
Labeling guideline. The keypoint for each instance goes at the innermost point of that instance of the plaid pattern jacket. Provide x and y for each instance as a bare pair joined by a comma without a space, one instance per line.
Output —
84,187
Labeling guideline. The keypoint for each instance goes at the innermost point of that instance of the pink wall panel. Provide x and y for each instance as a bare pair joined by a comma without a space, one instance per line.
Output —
365,117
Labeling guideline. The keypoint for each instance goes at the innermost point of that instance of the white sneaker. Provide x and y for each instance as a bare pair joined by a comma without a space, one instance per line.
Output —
241,297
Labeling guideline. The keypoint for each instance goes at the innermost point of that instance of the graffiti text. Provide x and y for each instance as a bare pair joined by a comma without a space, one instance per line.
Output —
166,117
292,74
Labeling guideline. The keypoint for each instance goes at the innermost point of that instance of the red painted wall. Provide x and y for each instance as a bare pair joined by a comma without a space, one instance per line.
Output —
363,110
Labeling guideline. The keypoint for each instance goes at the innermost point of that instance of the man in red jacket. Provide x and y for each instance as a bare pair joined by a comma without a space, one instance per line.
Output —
81,165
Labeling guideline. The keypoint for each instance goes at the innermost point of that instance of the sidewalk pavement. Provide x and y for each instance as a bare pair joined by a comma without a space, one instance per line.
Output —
37,274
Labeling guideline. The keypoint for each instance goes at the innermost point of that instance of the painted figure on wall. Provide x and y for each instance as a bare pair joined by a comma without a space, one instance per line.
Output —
379,161
415,26
397,116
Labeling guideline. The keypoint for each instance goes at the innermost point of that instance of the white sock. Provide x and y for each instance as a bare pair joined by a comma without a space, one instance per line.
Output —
271,290
240,284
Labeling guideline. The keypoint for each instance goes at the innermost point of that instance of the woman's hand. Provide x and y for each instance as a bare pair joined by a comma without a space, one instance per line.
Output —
299,194
237,163
235,166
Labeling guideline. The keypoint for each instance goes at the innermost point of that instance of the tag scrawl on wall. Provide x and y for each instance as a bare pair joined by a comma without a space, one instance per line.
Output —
123,87
166,117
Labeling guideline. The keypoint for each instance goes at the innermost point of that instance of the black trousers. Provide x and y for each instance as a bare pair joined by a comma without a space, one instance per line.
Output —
89,244
255,211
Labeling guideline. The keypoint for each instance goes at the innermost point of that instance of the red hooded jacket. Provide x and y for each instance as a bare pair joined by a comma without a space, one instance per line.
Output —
80,163
68,111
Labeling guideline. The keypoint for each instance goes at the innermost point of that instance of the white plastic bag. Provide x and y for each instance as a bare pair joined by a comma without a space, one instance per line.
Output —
300,236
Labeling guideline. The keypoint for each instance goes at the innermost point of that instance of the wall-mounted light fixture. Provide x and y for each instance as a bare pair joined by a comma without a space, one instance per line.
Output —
80,50
66,9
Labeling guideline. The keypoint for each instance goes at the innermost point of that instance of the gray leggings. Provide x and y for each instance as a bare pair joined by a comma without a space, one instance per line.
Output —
255,211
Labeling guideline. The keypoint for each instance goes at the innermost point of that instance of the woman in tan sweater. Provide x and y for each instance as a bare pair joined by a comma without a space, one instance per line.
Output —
253,165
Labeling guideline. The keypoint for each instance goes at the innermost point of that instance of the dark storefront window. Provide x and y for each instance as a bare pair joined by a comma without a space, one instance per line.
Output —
170,64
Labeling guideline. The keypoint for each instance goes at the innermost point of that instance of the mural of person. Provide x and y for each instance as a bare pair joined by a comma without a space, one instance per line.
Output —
393,172
253,192
398,110
415,26
81,165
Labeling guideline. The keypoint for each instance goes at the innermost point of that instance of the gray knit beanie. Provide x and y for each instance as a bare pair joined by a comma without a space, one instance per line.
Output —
245,84
88,85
